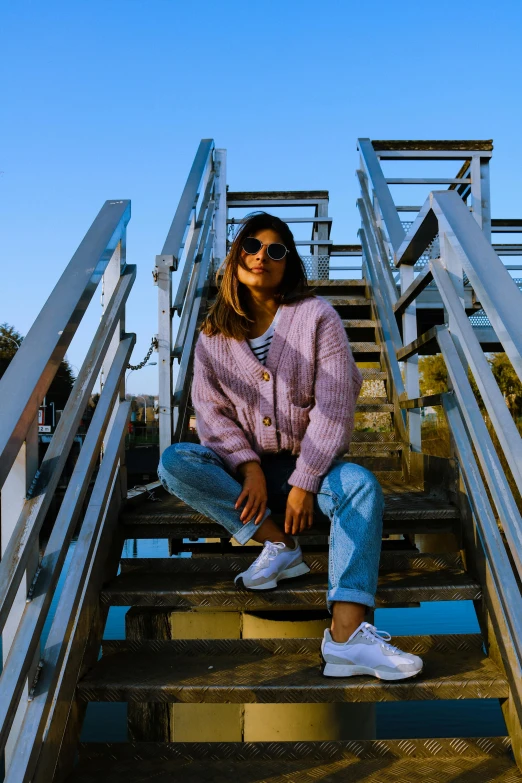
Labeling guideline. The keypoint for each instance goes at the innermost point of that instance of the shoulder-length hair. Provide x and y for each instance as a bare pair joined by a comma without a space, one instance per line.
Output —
229,314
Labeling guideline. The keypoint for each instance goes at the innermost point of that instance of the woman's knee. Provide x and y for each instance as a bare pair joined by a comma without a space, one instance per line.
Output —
176,457
358,485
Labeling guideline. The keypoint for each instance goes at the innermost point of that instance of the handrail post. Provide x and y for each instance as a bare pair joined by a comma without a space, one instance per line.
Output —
220,209
163,279
110,281
453,265
12,499
411,380
480,193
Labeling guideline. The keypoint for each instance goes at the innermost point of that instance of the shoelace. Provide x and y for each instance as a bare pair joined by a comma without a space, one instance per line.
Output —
271,550
382,637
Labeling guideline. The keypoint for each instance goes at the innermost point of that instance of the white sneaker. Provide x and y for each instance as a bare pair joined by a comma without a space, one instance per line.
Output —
367,652
275,562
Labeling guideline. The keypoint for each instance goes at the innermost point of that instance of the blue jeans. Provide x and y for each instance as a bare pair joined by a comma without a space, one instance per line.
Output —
349,496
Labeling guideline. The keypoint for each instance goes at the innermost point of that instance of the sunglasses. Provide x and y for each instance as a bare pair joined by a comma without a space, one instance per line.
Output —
275,250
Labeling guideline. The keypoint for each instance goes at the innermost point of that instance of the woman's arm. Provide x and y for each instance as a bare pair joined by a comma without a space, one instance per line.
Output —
216,422
337,386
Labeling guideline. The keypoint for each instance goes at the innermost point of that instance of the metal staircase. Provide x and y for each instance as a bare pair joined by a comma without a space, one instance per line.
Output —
200,656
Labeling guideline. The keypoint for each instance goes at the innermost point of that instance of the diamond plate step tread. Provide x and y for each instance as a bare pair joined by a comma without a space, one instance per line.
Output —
351,283
361,436
394,562
189,590
481,760
382,449
370,374
282,670
373,407
364,347
338,300
359,323
407,510
407,504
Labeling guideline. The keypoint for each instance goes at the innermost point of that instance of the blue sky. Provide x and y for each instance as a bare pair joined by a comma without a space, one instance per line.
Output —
108,99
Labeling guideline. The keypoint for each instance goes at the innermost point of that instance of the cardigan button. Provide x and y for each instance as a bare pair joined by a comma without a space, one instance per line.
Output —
266,376
267,421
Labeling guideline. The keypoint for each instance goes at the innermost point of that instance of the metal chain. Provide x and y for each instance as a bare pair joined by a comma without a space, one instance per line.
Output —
153,345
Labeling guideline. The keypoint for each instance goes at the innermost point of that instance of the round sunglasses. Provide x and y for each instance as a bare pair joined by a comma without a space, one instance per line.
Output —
275,250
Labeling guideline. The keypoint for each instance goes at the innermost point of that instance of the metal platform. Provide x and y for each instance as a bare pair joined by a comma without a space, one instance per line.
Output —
208,582
476,760
282,671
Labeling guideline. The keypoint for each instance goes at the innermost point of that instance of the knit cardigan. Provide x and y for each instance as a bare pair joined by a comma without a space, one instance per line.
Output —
303,399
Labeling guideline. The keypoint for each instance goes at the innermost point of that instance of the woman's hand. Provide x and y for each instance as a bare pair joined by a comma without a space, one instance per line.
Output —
254,492
299,511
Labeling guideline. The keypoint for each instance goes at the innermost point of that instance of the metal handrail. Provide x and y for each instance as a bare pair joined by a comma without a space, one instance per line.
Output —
34,365
466,252
101,254
195,235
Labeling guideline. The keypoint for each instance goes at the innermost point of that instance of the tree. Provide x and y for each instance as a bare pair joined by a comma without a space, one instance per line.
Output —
508,381
433,374
434,379
62,383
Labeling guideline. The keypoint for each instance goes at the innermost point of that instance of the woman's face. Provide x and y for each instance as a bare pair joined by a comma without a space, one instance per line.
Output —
261,274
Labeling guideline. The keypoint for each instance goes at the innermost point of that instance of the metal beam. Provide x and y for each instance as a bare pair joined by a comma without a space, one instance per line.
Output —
27,637
427,181
494,548
70,605
422,231
462,330
188,200
496,290
27,529
427,401
34,365
495,476
384,198
412,292
415,345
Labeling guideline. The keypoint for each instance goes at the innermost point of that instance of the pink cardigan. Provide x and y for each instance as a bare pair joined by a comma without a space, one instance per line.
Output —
303,400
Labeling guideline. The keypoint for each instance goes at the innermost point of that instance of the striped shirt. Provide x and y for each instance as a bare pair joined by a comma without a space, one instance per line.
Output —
260,345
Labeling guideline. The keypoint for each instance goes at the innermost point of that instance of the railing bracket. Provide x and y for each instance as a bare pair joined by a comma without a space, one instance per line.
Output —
32,586
34,683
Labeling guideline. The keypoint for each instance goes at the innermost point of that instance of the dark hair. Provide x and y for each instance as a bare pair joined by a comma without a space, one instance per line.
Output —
229,313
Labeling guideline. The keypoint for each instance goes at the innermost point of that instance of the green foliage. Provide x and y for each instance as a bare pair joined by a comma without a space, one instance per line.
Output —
62,383
434,379
433,374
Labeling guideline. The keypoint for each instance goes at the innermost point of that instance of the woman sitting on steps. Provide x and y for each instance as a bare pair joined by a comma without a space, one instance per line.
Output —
274,390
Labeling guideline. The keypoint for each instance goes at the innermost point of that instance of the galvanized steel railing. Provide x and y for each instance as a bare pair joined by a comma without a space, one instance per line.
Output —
27,586
196,243
465,252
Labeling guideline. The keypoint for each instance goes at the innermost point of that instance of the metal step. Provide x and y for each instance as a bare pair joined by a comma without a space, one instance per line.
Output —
358,347
377,461
325,284
346,300
370,374
382,449
391,562
243,671
361,436
479,759
198,582
359,323
405,512
374,405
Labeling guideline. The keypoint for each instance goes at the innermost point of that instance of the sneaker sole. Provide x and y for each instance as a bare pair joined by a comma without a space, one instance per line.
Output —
289,573
338,670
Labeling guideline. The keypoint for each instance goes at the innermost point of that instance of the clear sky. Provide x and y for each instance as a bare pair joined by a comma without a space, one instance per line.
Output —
108,99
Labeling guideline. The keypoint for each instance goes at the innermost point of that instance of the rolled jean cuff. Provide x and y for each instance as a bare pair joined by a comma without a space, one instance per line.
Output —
249,529
346,594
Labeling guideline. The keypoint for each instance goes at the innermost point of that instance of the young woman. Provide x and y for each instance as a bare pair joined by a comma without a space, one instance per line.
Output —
274,390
